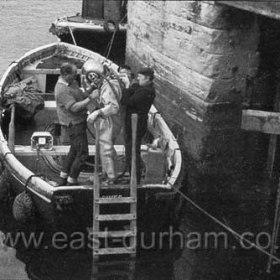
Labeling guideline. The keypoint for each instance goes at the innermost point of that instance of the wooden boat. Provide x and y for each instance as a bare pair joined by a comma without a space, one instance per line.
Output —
36,170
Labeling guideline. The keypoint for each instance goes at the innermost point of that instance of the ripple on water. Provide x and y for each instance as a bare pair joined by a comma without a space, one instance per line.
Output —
25,25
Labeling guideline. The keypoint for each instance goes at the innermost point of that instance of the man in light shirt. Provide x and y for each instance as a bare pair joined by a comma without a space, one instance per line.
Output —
71,107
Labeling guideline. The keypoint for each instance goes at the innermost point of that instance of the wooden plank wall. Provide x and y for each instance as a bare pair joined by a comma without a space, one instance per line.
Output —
266,8
102,9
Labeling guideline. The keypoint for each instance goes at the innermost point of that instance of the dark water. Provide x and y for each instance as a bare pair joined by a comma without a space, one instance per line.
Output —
24,25
74,261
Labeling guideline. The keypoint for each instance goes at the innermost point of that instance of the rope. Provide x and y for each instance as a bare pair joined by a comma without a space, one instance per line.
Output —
113,89
275,230
112,38
234,233
7,153
72,35
90,132
111,43
30,177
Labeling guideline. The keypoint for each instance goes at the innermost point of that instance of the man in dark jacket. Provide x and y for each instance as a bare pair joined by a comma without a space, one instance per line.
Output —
138,99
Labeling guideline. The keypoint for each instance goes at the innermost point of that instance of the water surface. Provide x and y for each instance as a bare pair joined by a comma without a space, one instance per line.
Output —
24,25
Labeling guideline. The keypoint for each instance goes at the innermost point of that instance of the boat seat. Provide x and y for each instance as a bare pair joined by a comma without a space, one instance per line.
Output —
21,150
40,71
35,71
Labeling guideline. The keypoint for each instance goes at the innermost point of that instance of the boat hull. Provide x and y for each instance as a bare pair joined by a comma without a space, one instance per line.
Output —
71,207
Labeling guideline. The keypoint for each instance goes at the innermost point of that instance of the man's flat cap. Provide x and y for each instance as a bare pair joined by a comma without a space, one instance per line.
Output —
146,72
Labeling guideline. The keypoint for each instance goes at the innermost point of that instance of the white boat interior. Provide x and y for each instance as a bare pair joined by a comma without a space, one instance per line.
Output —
38,71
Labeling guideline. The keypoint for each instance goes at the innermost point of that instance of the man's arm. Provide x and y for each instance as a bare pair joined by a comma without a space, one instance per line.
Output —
81,105
88,90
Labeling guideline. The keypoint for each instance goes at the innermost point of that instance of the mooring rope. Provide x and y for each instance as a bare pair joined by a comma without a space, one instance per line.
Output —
72,35
28,180
113,37
234,233
275,230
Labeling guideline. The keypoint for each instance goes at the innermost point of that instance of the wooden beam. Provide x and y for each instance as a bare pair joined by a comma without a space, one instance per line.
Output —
46,71
261,121
266,8
21,150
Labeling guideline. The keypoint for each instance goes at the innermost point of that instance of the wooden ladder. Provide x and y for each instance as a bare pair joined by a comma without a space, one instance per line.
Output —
126,237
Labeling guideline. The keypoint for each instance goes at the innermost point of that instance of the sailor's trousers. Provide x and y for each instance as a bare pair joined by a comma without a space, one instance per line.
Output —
78,152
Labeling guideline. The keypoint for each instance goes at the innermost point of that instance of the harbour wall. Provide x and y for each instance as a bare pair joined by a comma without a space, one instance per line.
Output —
213,60
205,56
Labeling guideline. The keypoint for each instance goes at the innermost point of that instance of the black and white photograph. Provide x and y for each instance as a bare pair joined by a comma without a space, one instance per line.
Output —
139,140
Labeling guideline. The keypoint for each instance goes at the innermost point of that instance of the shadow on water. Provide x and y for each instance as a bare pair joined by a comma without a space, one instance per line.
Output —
212,252
199,250
191,253
30,252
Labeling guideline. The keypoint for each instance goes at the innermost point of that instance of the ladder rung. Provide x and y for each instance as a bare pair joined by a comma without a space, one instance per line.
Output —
114,187
114,251
115,217
117,233
114,200
112,273
122,263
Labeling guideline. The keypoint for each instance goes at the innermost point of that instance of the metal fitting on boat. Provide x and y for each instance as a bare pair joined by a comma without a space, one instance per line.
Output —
63,202
111,26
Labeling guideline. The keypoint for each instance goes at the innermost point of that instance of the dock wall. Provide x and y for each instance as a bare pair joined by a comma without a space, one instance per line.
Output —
203,54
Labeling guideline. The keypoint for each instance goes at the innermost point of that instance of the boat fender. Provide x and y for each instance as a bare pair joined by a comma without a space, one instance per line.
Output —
107,25
23,207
